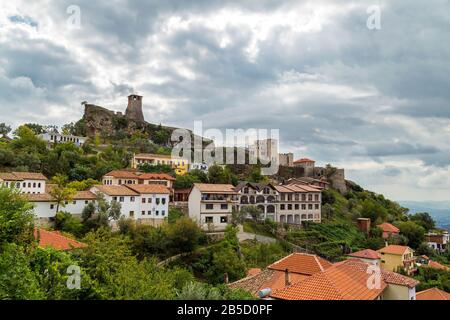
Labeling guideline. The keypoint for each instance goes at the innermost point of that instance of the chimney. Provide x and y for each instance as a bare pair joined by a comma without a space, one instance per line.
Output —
134,108
287,278
225,278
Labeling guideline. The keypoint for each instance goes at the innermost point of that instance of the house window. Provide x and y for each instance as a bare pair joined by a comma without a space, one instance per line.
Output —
132,199
163,200
86,202
115,198
224,219
163,212
157,201
310,206
65,202
316,206
303,206
131,213
209,219
289,206
282,206
149,213
74,202
297,206
121,199
29,185
39,185
209,206
149,200
224,206
143,200
120,181
52,206
24,185
157,212
34,185
143,212
316,197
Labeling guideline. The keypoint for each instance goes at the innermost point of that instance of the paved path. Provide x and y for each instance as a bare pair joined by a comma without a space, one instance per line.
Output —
242,236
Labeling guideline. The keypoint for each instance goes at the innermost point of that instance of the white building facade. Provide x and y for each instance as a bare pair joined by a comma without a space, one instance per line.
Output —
26,182
211,205
52,137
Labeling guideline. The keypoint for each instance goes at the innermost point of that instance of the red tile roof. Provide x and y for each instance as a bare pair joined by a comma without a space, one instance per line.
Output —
116,190
394,249
437,265
56,240
346,280
387,227
30,175
301,263
149,188
124,174
432,294
253,271
156,176
366,254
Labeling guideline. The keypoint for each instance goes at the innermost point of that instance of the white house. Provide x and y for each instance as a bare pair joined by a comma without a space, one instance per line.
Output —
128,199
154,203
27,182
52,137
128,177
210,205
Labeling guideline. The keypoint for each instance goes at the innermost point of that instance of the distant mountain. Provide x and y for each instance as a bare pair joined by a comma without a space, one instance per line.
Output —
439,210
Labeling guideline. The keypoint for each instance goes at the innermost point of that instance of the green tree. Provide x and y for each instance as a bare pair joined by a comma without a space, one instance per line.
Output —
423,219
16,217
4,129
60,192
183,235
413,232
253,211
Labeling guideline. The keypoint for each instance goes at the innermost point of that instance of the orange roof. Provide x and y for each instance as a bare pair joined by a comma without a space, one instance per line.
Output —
366,254
437,265
302,160
84,195
346,280
432,294
387,227
149,188
156,176
301,263
116,190
38,197
253,271
267,278
215,188
302,188
124,174
30,175
7,176
394,249
56,240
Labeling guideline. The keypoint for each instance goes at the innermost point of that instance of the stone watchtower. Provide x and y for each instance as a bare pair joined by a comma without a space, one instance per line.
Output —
134,108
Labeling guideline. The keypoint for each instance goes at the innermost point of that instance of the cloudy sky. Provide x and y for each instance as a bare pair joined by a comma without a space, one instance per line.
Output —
375,101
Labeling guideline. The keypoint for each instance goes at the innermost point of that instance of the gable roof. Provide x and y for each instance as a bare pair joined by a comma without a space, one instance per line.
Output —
149,188
8,176
346,280
436,265
56,240
215,188
301,263
124,174
432,294
366,254
387,227
116,190
394,249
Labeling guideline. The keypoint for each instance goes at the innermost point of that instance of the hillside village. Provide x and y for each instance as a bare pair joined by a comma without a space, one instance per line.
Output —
106,194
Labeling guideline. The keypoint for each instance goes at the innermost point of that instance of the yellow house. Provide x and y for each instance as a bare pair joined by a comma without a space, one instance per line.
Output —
180,165
395,256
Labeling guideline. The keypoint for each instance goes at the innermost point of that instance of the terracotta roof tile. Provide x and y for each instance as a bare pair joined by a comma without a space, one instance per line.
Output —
156,176
116,190
8,176
56,240
387,227
84,195
30,175
366,254
394,249
432,294
301,263
302,160
437,265
124,174
149,188
215,188
342,281
38,197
